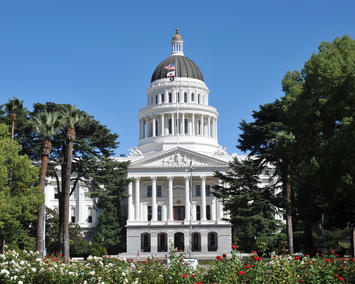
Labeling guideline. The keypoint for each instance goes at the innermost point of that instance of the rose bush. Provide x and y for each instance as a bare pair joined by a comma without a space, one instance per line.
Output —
27,267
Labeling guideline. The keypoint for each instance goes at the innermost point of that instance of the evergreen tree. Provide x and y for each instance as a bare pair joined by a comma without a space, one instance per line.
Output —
252,206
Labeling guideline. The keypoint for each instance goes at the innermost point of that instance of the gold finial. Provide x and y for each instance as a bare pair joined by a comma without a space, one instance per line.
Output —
177,36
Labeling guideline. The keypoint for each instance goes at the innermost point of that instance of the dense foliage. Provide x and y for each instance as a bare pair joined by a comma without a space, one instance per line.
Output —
27,267
19,198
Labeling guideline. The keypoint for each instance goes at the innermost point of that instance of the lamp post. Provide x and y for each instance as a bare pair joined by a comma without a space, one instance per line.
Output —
190,231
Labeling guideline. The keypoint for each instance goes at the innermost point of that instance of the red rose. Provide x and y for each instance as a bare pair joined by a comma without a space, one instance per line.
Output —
234,247
327,260
247,266
224,255
252,265
254,252
341,279
296,257
299,280
337,255
332,251
219,257
241,272
192,275
184,276
199,282
336,276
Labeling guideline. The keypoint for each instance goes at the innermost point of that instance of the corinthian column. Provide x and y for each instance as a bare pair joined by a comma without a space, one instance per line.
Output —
154,199
171,198
137,187
203,198
130,202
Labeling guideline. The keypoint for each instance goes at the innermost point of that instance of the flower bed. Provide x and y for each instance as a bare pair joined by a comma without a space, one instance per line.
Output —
27,267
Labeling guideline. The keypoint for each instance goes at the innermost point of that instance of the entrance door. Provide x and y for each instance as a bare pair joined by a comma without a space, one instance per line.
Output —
179,212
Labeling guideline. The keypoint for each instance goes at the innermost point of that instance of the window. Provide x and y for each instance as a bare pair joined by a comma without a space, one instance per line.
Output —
212,241
162,242
170,98
198,190
156,99
162,98
179,242
186,126
149,213
178,97
149,191
208,212
199,127
159,191
177,125
179,212
192,97
89,215
72,214
156,128
185,97
159,213
198,98
145,242
196,241
198,212
208,191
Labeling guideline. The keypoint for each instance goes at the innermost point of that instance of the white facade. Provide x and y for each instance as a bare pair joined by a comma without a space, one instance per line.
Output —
172,168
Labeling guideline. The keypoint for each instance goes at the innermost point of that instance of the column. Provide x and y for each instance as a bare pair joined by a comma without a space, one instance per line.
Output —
171,199
193,124
216,128
187,198
164,213
137,195
183,124
203,199
130,202
214,209
154,199
140,129
172,124
202,126
162,125
153,124
217,205
220,210
209,126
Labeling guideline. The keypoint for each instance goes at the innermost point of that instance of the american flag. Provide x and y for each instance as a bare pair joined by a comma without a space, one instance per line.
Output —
170,67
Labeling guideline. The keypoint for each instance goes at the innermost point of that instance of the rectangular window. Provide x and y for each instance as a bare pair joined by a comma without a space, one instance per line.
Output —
170,127
156,99
72,213
208,192
192,97
159,191
149,191
162,98
185,97
198,190
170,97
178,97
186,126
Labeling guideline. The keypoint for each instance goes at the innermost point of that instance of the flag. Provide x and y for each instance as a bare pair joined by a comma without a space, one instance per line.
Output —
170,67
170,74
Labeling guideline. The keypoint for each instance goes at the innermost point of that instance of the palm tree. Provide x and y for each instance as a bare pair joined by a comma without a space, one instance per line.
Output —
69,120
46,126
12,107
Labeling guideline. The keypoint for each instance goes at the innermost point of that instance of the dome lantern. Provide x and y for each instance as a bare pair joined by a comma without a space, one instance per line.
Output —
177,44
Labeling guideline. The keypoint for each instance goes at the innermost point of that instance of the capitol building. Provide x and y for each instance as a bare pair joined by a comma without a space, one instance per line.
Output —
171,199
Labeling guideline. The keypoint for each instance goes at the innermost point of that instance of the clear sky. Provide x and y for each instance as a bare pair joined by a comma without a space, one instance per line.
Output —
100,55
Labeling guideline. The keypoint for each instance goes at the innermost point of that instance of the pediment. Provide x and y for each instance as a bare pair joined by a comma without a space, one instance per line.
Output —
179,158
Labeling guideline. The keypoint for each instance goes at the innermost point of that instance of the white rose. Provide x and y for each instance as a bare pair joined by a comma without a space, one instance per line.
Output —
4,271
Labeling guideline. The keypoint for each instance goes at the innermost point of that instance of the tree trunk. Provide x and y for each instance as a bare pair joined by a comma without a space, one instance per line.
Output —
289,216
71,138
46,150
61,206
13,119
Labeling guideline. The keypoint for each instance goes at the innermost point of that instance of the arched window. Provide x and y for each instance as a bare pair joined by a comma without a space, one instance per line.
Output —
159,213
149,213
185,97
89,215
196,241
192,97
198,212
212,241
186,122
179,242
208,212
162,242
145,242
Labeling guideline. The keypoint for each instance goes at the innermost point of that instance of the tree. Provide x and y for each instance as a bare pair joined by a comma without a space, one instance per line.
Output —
47,126
111,175
69,119
252,207
19,198
12,107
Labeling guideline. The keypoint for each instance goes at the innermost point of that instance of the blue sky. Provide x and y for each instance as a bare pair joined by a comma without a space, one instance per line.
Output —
100,55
